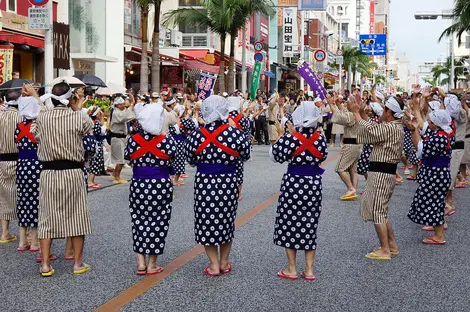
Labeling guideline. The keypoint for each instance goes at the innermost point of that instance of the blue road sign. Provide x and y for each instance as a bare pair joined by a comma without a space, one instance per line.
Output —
375,44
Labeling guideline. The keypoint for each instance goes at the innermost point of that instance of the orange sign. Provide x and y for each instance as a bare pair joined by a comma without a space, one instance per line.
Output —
280,17
288,3
6,63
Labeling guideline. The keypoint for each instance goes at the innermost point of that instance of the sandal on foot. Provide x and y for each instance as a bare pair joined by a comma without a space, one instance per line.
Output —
282,274
308,278
392,252
206,271
461,184
432,241
142,272
25,248
374,256
85,269
69,258
48,274
348,197
10,239
35,249
158,270
227,270
411,178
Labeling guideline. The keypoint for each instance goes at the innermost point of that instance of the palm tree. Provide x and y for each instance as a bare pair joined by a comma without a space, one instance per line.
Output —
216,15
155,68
357,61
246,8
461,21
144,67
432,81
380,79
444,70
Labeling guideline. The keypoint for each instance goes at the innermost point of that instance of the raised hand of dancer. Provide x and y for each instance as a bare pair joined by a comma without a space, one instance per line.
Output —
290,127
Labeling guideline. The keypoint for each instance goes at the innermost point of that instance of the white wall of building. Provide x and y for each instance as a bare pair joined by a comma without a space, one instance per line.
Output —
113,71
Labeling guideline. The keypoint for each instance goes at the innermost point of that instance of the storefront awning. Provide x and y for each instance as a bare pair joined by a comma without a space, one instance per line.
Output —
195,54
22,39
93,57
195,64
163,57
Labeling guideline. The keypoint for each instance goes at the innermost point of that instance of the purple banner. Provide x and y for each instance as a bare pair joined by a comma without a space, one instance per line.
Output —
311,79
205,86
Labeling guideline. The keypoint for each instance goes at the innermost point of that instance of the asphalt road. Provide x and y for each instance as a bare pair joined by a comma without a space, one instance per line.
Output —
421,278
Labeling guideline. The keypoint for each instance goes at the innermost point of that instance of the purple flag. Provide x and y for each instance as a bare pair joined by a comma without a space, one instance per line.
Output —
312,80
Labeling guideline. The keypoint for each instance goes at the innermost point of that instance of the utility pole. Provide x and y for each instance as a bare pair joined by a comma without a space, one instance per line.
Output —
302,48
49,47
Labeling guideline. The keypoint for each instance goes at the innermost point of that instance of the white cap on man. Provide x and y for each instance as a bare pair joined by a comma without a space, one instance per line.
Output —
154,95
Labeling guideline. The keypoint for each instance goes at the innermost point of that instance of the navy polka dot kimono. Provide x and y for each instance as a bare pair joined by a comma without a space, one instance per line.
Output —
185,126
299,203
215,187
151,191
28,170
97,161
434,181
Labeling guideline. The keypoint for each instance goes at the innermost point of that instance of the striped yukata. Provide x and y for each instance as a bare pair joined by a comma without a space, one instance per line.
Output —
9,119
458,148
350,151
63,201
387,139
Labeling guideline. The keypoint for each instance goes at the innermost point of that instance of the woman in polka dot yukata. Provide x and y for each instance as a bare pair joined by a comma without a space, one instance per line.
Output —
299,204
434,180
28,170
151,192
179,133
97,161
215,150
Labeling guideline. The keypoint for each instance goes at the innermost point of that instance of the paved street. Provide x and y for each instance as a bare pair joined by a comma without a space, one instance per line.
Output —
421,278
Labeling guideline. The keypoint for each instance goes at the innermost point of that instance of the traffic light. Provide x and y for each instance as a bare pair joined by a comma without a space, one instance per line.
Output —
367,41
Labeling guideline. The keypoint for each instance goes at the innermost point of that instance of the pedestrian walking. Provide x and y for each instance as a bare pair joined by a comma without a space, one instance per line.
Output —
99,133
215,149
150,153
299,203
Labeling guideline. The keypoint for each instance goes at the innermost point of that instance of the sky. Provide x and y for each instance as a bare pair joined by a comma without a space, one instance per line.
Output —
418,38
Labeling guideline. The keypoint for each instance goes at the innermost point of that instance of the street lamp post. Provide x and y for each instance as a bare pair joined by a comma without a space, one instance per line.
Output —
340,70
445,14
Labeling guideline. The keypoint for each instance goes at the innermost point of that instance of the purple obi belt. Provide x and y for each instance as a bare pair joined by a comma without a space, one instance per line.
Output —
151,172
216,168
437,161
305,170
179,137
28,154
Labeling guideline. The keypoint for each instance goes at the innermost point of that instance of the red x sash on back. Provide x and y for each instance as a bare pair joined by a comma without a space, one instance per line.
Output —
212,138
149,147
236,120
307,144
25,131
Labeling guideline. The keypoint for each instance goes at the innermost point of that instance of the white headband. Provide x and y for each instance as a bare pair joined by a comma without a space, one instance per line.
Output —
64,98
377,108
118,100
442,119
12,103
379,95
394,106
96,112
435,105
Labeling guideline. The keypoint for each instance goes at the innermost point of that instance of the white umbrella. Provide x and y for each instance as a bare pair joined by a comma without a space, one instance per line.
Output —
112,88
72,81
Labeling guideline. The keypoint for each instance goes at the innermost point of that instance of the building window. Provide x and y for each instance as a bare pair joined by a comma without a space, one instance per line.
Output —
332,10
189,29
12,5
339,9
345,10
